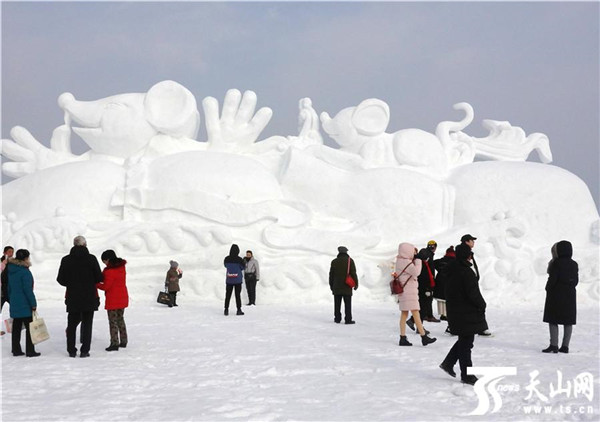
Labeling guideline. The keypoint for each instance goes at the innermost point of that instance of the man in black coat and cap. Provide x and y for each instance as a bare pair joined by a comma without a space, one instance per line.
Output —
466,313
340,268
79,272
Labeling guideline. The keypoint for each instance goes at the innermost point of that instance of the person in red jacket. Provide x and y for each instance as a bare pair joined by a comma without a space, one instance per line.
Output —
117,298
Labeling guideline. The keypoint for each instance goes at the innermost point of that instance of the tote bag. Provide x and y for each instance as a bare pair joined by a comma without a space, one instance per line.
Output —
38,330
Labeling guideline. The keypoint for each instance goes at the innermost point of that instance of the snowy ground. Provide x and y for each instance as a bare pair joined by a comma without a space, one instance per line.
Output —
289,363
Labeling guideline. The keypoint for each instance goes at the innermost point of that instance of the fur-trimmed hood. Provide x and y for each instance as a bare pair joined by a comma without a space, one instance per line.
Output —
19,262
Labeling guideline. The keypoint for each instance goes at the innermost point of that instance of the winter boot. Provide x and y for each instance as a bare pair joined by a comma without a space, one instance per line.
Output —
112,348
425,340
239,312
411,323
404,341
550,349
226,312
447,369
469,379
563,349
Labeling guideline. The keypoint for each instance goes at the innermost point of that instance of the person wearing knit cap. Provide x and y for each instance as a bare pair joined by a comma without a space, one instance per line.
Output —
466,313
341,267
174,274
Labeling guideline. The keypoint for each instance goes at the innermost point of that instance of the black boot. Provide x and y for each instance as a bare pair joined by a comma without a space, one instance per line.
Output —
239,312
425,340
563,349
469,379
404,342
447,369
550,349
112,348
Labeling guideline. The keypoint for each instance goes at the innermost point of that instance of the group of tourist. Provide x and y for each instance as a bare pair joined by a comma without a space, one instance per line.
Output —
453,280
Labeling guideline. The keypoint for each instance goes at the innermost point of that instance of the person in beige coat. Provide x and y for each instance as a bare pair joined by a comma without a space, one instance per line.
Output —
408,268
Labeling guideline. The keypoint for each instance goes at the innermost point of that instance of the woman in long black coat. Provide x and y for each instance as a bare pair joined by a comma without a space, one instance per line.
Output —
561,296
466,313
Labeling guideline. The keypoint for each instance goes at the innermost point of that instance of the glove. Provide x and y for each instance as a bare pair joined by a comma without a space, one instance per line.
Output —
428,293
355,287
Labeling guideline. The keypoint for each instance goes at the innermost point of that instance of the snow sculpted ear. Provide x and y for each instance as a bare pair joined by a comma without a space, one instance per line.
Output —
371,117
171,109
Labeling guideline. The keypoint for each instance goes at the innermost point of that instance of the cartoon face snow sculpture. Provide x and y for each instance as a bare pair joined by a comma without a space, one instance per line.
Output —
361,130
122,125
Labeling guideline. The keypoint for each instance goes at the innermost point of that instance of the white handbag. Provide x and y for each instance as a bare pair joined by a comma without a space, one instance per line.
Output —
38,330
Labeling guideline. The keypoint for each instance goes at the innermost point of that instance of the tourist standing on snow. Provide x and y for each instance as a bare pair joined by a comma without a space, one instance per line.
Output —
79,272
234,276
466,313
174,274
561,295
22,301
116,297
251,276
8,253
340,268
469,241
408,267
442,267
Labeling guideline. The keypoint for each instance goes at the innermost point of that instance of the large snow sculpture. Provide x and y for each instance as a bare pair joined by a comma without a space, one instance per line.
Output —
149,189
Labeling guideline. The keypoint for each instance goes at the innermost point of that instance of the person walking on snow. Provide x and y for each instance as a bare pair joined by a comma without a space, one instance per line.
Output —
469,241
466,313
408,267
340,268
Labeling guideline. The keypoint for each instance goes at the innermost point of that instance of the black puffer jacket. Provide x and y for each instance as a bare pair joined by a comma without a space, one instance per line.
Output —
79,272
465,305
561,296
442,267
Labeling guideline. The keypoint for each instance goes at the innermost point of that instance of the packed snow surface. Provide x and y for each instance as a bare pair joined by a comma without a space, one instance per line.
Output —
289,362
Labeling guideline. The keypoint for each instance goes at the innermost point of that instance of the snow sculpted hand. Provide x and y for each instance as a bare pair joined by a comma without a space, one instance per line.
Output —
28,155
238,127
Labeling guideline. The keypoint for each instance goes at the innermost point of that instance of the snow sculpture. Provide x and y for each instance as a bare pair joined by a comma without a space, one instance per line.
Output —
149,189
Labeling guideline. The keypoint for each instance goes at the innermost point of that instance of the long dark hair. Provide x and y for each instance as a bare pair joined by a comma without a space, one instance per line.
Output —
110,256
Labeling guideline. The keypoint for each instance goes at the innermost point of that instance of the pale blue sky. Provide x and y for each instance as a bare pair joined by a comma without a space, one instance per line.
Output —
533,64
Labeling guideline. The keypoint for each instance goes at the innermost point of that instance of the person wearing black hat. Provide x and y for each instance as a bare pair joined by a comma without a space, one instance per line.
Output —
469,241
341,267
466,313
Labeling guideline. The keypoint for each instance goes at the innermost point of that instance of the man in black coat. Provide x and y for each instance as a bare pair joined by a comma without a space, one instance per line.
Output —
466,313
79,272
340,268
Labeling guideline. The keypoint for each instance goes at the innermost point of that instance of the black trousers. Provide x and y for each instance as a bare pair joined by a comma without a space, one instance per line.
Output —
238,295
86,319
461,352
173,298
337,307
251,287
425,303
16,336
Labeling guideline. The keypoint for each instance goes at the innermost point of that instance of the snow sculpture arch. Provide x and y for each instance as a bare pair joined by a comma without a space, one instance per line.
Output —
152,191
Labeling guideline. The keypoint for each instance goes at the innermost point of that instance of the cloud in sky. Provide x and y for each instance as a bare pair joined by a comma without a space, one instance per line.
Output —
534,64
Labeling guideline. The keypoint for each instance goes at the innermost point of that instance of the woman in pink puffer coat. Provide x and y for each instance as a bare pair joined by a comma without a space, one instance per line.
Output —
408,266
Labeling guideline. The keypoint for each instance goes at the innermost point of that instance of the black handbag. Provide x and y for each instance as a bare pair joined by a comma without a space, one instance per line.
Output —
164,298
